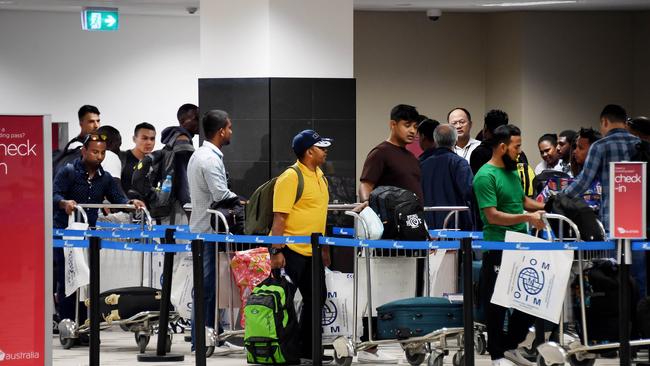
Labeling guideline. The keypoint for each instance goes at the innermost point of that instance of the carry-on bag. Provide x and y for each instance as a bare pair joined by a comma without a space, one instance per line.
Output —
417,316
123,303
271,330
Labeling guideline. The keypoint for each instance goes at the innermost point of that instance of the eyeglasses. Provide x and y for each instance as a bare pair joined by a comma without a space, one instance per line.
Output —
460,122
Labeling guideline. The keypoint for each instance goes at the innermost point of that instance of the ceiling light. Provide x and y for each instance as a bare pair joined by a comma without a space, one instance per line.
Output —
403,5
532,3
6,2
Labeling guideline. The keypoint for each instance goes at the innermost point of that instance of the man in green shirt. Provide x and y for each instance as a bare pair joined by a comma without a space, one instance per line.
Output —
502,202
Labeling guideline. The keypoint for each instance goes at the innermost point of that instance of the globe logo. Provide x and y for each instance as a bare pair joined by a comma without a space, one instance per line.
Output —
531,281
329,313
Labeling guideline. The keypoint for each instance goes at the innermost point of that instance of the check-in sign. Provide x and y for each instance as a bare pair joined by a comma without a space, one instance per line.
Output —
627,206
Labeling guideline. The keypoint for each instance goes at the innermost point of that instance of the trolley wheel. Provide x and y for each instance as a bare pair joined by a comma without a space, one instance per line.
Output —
142,341
342,361
414,358
209,350
480,344
436,359
574,361
67,343
542,362
458,359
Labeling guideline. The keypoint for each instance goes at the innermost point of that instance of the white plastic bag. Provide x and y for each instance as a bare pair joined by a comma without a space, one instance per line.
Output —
375,226
183,285
443,272
338,311
77,273
533,282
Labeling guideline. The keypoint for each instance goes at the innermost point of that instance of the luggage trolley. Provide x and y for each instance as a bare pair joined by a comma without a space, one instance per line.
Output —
577,352
437,343
143,324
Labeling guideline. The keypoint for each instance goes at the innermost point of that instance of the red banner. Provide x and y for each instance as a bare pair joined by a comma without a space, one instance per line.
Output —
23,238
627,200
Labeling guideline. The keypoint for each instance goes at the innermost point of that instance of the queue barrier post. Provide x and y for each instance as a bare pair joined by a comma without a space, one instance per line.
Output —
624,301
199,306
316,289
94,246
468,302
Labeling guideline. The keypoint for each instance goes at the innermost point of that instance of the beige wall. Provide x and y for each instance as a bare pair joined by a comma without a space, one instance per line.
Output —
549,71
405,58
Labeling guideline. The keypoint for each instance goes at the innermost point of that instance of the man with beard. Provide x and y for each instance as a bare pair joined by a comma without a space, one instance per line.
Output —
206,174
502,201
83,181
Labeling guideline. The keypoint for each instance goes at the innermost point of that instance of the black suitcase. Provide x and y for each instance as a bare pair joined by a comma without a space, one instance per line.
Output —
123,303
417,316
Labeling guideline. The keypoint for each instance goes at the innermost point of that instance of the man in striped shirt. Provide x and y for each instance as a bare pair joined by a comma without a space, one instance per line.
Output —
616,145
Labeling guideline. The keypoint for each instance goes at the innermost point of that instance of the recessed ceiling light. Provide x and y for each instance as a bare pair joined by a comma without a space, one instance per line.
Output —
533,3
6,2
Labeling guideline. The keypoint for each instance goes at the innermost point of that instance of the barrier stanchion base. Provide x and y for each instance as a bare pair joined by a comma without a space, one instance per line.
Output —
170,357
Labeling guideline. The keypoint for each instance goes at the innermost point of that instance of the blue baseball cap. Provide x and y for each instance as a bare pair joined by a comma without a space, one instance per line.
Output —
308,138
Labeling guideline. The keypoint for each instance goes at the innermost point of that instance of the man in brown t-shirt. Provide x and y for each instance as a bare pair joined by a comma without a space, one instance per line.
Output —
390,163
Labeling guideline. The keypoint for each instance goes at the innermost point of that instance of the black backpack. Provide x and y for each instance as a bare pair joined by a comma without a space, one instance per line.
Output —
578,211
401,212
150,173
65,156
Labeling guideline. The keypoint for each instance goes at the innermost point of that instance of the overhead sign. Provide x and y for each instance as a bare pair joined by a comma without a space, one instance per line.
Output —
627,205
100,19
26,226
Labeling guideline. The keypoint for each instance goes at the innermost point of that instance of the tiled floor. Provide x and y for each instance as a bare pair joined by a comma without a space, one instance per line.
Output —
119,348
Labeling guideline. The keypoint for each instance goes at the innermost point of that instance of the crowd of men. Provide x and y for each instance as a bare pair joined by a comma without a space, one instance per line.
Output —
489,173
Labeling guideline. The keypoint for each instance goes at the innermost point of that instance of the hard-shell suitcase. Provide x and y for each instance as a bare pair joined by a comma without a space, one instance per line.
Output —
417,316
123,303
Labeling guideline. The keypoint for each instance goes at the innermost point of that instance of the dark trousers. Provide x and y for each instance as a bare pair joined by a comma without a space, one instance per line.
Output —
298,268
518,322
65,306
209,289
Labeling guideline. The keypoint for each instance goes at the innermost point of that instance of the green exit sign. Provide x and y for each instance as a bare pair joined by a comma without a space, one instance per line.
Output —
99,19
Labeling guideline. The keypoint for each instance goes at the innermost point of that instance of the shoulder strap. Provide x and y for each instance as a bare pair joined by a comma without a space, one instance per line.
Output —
301,182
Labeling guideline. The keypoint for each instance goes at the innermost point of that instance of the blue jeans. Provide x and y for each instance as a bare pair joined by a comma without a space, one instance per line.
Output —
209,289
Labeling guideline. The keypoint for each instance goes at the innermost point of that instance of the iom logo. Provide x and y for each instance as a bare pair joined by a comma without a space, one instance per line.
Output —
530,281
413,221
330,313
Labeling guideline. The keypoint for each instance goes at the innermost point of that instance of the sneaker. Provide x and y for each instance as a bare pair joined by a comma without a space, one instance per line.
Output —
375,357
502,362
228,348
515,356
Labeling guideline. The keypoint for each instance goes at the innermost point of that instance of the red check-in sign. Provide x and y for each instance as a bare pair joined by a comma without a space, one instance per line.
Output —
627,192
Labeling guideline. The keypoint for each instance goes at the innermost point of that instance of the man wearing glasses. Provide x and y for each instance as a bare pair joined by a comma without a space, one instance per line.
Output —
461,119
82,181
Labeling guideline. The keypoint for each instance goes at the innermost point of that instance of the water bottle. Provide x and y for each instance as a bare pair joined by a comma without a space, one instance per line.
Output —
166,189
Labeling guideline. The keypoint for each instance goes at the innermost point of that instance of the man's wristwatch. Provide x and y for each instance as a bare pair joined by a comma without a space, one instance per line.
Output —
274,250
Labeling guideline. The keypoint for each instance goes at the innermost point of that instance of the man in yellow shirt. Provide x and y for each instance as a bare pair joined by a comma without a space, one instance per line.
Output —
302,217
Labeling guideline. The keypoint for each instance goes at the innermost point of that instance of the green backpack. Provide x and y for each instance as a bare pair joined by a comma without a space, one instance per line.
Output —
271,329
259,210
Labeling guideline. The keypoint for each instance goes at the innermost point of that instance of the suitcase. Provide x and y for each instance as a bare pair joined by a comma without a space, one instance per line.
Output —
123,303
417,316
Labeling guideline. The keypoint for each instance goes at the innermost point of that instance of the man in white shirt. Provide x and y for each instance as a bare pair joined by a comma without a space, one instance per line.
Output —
461,119
206,174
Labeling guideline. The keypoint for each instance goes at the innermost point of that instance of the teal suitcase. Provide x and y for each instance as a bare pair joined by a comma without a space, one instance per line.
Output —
417,316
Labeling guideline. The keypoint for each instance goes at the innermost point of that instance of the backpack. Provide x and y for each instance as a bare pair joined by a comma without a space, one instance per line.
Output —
401,212
259,210
578,211
271,334
643,154
150,173
527,174
66,156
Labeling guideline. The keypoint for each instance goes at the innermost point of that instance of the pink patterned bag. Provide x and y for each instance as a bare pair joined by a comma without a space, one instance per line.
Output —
249,268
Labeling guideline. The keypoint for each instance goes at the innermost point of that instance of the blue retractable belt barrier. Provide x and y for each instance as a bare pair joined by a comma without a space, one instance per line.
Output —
129,247
178,228
261,239
389,244
114,225
343,231
640,245
455,234
58,243
117,234
582,245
